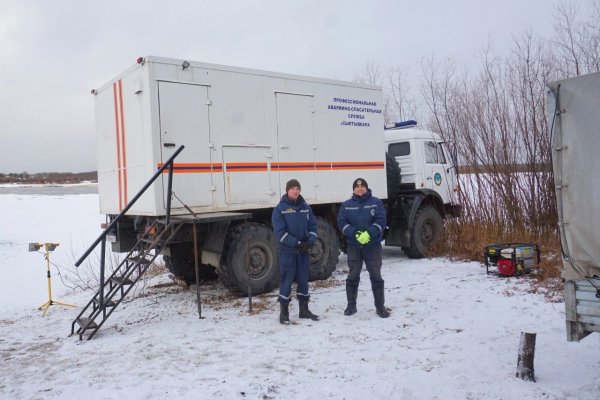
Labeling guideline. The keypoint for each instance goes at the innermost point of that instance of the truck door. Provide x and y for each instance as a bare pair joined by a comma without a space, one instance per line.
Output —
247,173
183,110
439,175
296,144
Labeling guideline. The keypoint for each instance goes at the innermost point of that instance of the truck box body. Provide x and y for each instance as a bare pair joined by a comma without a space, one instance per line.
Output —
573,111
245,132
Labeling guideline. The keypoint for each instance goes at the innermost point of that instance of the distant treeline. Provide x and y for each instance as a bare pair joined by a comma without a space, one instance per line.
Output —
503,169
49,177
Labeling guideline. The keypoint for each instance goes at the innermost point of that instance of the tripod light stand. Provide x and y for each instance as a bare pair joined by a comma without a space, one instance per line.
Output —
48,247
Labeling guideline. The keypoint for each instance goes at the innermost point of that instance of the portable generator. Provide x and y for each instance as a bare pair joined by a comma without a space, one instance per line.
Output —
511,259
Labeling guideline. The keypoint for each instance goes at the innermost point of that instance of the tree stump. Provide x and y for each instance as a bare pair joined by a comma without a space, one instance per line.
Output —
526,356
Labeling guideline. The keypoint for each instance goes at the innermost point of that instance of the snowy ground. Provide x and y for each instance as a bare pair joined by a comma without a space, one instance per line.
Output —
453,334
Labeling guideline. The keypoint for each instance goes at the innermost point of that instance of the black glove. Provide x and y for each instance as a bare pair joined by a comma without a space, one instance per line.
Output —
303,247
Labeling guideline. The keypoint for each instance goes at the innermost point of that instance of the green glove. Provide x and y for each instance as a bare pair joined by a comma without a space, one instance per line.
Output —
363,238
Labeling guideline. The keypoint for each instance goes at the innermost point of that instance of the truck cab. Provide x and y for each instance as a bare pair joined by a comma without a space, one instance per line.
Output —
427,191
425,161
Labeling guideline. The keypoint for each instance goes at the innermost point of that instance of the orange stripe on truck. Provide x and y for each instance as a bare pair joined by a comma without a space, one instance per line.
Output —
120,144
187,168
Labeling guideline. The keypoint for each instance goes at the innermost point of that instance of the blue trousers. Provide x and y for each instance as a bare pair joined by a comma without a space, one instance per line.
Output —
293,266
371,256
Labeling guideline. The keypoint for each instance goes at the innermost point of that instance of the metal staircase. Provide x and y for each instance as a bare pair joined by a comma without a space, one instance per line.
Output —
123,278
149,245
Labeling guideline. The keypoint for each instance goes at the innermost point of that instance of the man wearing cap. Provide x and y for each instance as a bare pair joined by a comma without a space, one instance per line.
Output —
295,227
362,221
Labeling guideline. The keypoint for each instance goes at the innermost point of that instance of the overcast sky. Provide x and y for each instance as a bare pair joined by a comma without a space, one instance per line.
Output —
52,53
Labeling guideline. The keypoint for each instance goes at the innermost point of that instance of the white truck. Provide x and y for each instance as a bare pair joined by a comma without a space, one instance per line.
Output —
246,132
575,123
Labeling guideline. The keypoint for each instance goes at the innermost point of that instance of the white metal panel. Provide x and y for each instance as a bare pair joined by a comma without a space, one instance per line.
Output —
137,160
106,153
125,147
209,107
295,137
349,137
247,174
184,113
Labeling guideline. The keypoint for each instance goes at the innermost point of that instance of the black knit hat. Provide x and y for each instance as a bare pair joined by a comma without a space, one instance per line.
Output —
291,183
359,181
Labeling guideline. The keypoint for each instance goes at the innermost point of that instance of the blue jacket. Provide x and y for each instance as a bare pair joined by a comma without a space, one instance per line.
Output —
362,213
293,222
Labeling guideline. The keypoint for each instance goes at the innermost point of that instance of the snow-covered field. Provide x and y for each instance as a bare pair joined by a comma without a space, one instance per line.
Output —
453,334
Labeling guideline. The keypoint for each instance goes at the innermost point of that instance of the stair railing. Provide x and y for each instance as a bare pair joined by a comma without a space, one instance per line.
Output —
102,238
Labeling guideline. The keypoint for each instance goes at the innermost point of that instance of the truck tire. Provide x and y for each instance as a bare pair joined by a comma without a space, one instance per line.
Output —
250,249
393,176
181,264
425,231
325,253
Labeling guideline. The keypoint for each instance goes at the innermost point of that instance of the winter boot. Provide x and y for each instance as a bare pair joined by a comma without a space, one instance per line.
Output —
378,295
351,293
284,314
305,312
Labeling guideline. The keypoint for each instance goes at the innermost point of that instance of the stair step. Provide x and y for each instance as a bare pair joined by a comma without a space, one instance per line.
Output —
121,281
83,323
139,260
107,303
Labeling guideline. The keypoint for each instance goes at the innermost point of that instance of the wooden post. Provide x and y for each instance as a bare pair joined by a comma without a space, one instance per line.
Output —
247,255
526,356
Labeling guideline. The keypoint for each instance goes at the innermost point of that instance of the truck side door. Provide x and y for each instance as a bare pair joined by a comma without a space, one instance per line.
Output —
438,173
295,137
184,120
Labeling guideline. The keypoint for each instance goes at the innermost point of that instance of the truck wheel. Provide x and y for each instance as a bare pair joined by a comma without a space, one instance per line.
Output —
251,249
392,170
181,264
324,254
425,231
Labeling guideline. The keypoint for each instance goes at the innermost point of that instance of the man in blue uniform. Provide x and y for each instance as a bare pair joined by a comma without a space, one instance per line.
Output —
362,221
295,227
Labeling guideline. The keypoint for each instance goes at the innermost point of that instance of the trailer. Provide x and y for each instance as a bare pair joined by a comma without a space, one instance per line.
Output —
572,109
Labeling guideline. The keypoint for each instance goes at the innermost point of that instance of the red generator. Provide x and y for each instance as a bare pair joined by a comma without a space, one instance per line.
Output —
511,259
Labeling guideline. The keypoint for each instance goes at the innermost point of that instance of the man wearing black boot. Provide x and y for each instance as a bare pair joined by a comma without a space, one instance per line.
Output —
295,227
362,221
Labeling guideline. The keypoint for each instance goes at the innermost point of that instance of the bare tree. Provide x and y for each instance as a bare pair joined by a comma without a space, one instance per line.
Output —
372,74
497,119
404,107
567,39
577,40
398,105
